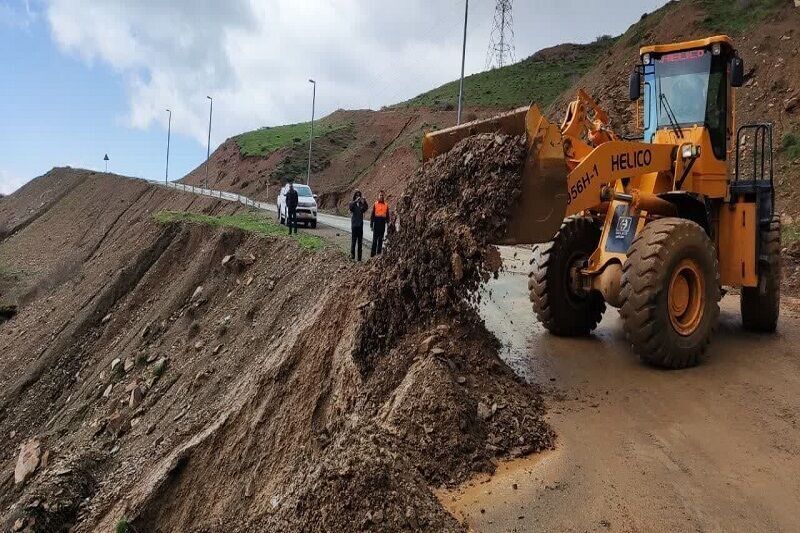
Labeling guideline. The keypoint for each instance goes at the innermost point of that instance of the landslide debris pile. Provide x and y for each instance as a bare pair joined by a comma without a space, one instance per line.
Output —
435,404
241,383
454,208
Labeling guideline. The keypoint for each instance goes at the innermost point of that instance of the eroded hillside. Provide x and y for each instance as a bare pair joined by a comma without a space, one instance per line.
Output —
166,375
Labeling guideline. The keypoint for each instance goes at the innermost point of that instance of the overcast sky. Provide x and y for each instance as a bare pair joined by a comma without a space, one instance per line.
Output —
81,78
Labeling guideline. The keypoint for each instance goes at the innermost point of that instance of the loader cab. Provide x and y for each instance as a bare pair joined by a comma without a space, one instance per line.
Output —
686,90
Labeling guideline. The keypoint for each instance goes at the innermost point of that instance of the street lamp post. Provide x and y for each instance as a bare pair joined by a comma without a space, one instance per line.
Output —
169,131
463,56
311,137
208,150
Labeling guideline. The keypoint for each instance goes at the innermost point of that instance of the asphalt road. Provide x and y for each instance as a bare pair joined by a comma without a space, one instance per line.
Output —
712,448
332,221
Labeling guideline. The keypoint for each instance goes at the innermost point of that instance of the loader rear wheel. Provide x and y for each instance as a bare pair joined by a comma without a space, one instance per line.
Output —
670,293
561,308
761,305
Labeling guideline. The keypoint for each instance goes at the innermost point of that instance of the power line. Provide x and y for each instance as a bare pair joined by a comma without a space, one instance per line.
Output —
391,82
501,41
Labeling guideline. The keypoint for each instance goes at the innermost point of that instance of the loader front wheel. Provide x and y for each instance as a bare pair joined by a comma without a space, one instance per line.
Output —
761,305
670,293
562,308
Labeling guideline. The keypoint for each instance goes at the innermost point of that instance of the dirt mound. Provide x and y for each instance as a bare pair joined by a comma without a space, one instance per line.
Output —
454,208
440,400
189,378
361,483
36,197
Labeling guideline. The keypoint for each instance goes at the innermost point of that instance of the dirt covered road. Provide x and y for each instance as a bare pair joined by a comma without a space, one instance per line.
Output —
713,448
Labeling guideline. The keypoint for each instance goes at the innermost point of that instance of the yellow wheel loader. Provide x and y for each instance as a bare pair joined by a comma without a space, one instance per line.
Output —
655,226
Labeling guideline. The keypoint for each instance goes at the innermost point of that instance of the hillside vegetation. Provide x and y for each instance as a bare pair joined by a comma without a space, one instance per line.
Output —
263,141
539,78
251,222
735,16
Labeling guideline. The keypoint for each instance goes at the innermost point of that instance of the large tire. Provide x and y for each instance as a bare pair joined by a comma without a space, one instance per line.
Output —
761,305
559,308
670,293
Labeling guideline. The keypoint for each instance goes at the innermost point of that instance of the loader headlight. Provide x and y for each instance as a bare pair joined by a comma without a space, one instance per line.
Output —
646,59
716,49
690,151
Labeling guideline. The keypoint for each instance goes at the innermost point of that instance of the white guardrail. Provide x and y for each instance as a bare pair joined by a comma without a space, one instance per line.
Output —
333,221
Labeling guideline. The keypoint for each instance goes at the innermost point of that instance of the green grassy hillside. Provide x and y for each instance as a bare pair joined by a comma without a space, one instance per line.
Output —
264,141
250,221
736,16
540,78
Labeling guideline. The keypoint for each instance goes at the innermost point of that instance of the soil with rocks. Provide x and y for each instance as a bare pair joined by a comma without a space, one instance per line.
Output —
790,270
455,207
190,378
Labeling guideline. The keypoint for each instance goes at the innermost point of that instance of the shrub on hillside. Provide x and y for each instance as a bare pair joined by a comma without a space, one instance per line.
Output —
790,145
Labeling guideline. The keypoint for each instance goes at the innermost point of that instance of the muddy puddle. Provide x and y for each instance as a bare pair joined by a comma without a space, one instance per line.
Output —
524,477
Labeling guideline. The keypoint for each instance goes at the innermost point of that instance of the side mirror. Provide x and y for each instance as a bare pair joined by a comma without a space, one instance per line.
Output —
635,86
737,72
316,197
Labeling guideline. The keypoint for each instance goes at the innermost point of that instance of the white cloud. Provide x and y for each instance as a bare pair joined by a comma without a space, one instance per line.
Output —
255,56
10,183
16,15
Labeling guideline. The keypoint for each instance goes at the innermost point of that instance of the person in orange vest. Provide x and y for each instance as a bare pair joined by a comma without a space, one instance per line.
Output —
377,223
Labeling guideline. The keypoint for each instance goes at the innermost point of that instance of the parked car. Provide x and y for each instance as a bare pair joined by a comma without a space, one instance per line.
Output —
306,205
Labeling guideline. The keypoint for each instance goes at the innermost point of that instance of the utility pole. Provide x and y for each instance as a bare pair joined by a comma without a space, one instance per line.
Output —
463,57
169,131
208,150
311,137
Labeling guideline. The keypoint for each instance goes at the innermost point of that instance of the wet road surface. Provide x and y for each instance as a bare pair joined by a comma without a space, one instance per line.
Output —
712,448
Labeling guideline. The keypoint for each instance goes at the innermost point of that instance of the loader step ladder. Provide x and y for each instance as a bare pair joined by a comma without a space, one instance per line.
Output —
755,181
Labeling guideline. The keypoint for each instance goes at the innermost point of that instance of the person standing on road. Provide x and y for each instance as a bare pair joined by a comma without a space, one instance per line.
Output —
377,223
357,209
291,208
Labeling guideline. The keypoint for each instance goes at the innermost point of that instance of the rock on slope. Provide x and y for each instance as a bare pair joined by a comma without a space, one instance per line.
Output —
185,378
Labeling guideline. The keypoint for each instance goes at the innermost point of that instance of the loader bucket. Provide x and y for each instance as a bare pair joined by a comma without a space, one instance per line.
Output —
540,210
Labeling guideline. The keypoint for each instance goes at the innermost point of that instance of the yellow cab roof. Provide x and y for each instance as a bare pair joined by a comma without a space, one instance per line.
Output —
686,45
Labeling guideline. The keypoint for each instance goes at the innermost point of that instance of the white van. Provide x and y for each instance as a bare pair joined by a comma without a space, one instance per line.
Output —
306,205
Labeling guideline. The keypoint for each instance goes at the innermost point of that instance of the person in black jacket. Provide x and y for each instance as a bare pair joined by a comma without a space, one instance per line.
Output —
377,223
357,209
291,208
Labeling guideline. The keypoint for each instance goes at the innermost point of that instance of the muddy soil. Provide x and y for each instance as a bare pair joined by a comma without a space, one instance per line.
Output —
712,448
187,378
454,208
